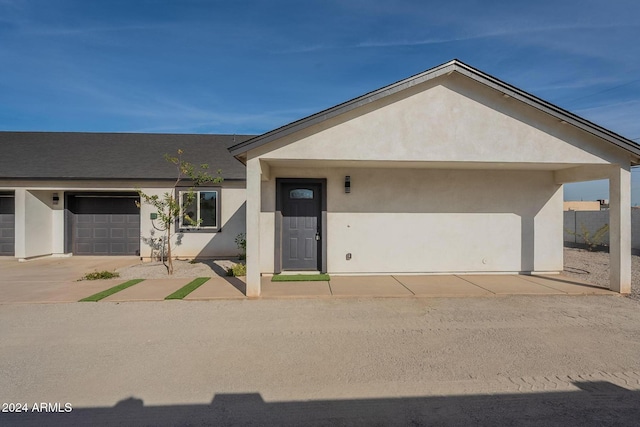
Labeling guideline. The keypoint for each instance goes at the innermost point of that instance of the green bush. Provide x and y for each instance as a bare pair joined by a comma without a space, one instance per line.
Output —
99,275
241,242
237,270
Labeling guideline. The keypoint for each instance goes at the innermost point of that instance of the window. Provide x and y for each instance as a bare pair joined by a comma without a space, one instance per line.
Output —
203,212
301,193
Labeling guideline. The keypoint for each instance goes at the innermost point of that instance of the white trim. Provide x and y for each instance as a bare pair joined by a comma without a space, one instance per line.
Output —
216,226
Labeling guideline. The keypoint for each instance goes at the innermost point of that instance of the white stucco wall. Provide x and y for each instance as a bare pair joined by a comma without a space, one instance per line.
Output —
202,244
447,176
38,230
432,220
40,226
449,119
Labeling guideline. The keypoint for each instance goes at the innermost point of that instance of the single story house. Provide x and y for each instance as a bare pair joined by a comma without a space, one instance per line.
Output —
447,171
75,193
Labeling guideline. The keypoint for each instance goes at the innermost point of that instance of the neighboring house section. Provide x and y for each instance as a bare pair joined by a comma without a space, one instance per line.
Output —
590,205
7,223
448,171
75,193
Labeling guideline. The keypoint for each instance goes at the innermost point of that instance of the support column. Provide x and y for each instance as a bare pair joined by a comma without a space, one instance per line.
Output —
20,223
620,229
253,228
58,225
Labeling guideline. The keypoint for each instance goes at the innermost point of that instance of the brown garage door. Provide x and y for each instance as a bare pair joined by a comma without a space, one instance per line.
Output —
106,224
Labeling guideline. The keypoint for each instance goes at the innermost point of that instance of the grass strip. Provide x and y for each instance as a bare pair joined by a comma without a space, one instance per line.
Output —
300,278
111,291
188,288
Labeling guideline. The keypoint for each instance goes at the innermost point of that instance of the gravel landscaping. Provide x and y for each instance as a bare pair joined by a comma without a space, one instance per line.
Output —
593,267
181,268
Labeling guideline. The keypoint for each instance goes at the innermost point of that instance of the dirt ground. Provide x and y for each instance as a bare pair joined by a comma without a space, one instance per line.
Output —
517,360
593,267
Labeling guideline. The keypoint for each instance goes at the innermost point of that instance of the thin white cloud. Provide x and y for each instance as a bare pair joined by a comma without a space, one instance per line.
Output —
161,113
545,30
621,117
492,34
578,84
66,31
16,4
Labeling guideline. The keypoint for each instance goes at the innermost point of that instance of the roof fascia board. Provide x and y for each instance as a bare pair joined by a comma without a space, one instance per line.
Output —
66,179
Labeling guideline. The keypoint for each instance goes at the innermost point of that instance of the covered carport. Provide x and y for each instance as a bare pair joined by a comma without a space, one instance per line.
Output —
619,177
451,171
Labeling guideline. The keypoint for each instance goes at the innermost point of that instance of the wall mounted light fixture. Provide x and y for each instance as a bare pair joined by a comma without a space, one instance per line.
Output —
55,198
347,184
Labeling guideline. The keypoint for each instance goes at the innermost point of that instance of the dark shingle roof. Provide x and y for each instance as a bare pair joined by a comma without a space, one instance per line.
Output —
79,155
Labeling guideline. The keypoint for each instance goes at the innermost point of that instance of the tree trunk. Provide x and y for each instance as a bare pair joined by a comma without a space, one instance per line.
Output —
169,259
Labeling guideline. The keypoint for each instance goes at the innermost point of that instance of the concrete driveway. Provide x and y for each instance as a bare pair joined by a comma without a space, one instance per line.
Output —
60,269
50,280
53,279
514,360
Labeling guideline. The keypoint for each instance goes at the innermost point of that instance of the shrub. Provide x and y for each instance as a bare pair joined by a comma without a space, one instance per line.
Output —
237,270
99,275
594,241
241,242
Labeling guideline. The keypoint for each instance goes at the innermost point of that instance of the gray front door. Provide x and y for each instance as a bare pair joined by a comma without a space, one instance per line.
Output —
300,226
7,224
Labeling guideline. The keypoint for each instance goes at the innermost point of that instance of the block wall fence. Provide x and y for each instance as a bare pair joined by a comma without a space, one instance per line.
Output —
592,221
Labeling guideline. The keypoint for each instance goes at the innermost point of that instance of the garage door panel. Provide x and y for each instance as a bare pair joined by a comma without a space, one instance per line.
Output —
7,225
84,233
117,247
100,233
101,219
118,219
83,248
101,248
117,233
105,225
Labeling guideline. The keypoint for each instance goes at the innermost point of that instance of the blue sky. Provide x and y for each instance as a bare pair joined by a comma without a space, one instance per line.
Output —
250,66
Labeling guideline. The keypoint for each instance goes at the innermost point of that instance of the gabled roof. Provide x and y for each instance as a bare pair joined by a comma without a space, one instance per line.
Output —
444,69
125,156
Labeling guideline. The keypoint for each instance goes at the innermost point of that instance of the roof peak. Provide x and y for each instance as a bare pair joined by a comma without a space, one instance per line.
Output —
444,69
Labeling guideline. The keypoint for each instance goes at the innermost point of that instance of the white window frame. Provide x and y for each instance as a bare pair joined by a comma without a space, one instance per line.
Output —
199,228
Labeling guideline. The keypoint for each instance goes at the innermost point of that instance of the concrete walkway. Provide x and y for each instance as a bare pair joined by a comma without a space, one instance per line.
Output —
55,280
434,286
339,287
